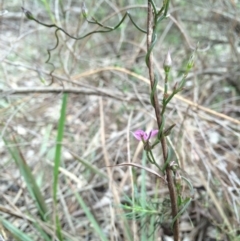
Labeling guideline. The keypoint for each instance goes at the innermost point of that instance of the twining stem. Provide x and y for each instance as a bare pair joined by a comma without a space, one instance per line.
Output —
171,187
106,29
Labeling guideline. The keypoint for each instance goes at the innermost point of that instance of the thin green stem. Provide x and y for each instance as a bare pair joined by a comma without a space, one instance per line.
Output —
30,16
154,161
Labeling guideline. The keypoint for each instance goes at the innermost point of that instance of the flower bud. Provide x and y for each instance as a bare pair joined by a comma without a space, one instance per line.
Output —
28,14
84,10
178,178
3,12
167,64
168,130
191,61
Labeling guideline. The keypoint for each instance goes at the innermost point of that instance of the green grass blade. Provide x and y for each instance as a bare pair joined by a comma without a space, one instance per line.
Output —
91,218
90,167
57,160
44,147
152,228
59,230
48,9
18,234
143,198
29,179
44,235
187,202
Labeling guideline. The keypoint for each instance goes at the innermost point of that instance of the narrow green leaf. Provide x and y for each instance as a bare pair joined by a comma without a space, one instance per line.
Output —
57,160
48,8
59,231
91,218
44,235
29,179
17,233
187,202
89,166
143,197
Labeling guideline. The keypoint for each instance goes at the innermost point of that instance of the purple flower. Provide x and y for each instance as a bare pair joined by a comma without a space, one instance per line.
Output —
144,136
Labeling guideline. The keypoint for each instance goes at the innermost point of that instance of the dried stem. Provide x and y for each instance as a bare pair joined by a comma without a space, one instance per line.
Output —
171,186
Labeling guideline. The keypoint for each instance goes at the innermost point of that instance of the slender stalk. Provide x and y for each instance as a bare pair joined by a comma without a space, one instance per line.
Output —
171,186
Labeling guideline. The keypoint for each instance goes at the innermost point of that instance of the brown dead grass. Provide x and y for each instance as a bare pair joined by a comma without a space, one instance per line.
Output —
111,102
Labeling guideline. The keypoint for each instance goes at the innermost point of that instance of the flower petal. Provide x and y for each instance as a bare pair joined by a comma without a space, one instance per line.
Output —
140,134
152,133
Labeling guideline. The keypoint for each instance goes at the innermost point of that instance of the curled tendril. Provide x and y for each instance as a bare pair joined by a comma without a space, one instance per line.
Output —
107,29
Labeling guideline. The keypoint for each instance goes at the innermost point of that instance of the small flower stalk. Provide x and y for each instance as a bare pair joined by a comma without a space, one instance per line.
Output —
143,136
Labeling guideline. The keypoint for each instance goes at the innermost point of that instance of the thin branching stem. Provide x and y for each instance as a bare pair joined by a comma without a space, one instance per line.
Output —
171,187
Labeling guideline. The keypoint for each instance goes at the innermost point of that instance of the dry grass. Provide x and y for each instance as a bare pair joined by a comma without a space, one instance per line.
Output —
106,77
